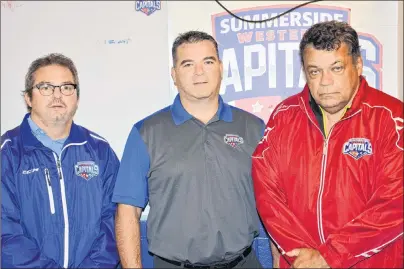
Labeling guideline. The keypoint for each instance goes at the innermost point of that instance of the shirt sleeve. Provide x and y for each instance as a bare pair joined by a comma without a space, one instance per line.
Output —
131,183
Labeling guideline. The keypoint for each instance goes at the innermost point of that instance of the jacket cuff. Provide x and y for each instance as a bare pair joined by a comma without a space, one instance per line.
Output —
332,258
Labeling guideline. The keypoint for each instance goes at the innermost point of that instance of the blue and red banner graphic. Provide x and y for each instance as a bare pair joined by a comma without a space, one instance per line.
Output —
261,63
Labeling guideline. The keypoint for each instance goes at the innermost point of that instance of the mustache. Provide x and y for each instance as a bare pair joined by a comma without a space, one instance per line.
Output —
56,101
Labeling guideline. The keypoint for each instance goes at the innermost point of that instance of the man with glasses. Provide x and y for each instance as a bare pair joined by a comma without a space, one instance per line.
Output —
56,179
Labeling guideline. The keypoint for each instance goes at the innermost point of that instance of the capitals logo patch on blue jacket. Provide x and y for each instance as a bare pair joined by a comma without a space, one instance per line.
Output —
86,170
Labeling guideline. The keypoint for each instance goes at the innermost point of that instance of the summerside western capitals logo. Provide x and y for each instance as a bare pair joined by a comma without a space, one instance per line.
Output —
261,64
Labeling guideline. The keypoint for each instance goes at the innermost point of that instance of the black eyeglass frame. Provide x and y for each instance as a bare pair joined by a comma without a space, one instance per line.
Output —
53,87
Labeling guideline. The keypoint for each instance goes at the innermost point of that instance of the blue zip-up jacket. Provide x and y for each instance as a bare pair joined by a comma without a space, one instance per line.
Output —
57,211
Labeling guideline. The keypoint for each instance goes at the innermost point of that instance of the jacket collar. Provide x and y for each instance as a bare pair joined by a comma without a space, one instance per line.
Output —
30,142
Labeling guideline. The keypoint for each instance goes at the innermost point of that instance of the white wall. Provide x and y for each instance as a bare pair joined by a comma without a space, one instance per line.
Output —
120,83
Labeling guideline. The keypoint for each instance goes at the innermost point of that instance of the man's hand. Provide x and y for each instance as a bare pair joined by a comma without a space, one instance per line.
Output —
307,258
275,255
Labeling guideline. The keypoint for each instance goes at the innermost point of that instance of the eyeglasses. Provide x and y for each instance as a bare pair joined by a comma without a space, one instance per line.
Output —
47,89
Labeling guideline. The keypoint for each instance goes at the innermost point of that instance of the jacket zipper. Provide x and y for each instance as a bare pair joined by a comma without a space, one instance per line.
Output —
64,203
64,206
322,173
322,179
321,190
50,192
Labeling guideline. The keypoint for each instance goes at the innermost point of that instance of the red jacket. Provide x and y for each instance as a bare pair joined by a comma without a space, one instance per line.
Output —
341,195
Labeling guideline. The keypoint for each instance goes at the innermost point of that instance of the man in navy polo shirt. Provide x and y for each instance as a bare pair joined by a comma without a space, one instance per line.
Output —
192,162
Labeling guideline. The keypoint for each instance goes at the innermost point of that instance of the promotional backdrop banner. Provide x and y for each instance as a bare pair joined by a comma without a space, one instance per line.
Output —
261,62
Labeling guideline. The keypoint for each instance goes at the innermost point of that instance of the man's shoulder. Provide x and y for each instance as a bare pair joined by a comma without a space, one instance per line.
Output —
153,119
287,108
385,102
92,136
241,114
10,137
98,144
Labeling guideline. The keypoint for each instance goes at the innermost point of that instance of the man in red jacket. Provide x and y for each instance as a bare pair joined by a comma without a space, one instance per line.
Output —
328,173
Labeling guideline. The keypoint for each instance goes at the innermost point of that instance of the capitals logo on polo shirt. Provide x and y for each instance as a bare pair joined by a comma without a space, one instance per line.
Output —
86,169
261,63
147,7
357,148
233,140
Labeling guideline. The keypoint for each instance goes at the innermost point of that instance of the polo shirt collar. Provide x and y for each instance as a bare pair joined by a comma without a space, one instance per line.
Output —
180,115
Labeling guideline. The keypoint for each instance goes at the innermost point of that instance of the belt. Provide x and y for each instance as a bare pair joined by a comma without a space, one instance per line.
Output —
229,264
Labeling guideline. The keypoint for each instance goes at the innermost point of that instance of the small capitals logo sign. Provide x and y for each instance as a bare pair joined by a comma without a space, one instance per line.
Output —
233,140
147,7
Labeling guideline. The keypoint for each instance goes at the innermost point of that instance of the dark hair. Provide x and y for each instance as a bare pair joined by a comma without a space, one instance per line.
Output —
192,37
50,59
329,36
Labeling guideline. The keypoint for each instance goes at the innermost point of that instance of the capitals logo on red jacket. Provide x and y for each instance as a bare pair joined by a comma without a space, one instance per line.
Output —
357,148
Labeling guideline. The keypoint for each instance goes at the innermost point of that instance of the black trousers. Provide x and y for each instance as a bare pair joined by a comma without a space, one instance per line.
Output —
251,261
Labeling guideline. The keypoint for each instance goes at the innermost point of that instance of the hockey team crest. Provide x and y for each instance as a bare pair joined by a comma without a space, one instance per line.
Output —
357,148
147,7
86,170
233,140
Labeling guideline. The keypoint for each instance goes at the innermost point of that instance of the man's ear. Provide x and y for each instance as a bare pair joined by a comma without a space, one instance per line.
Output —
173,75
304,72
359,65
27,100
